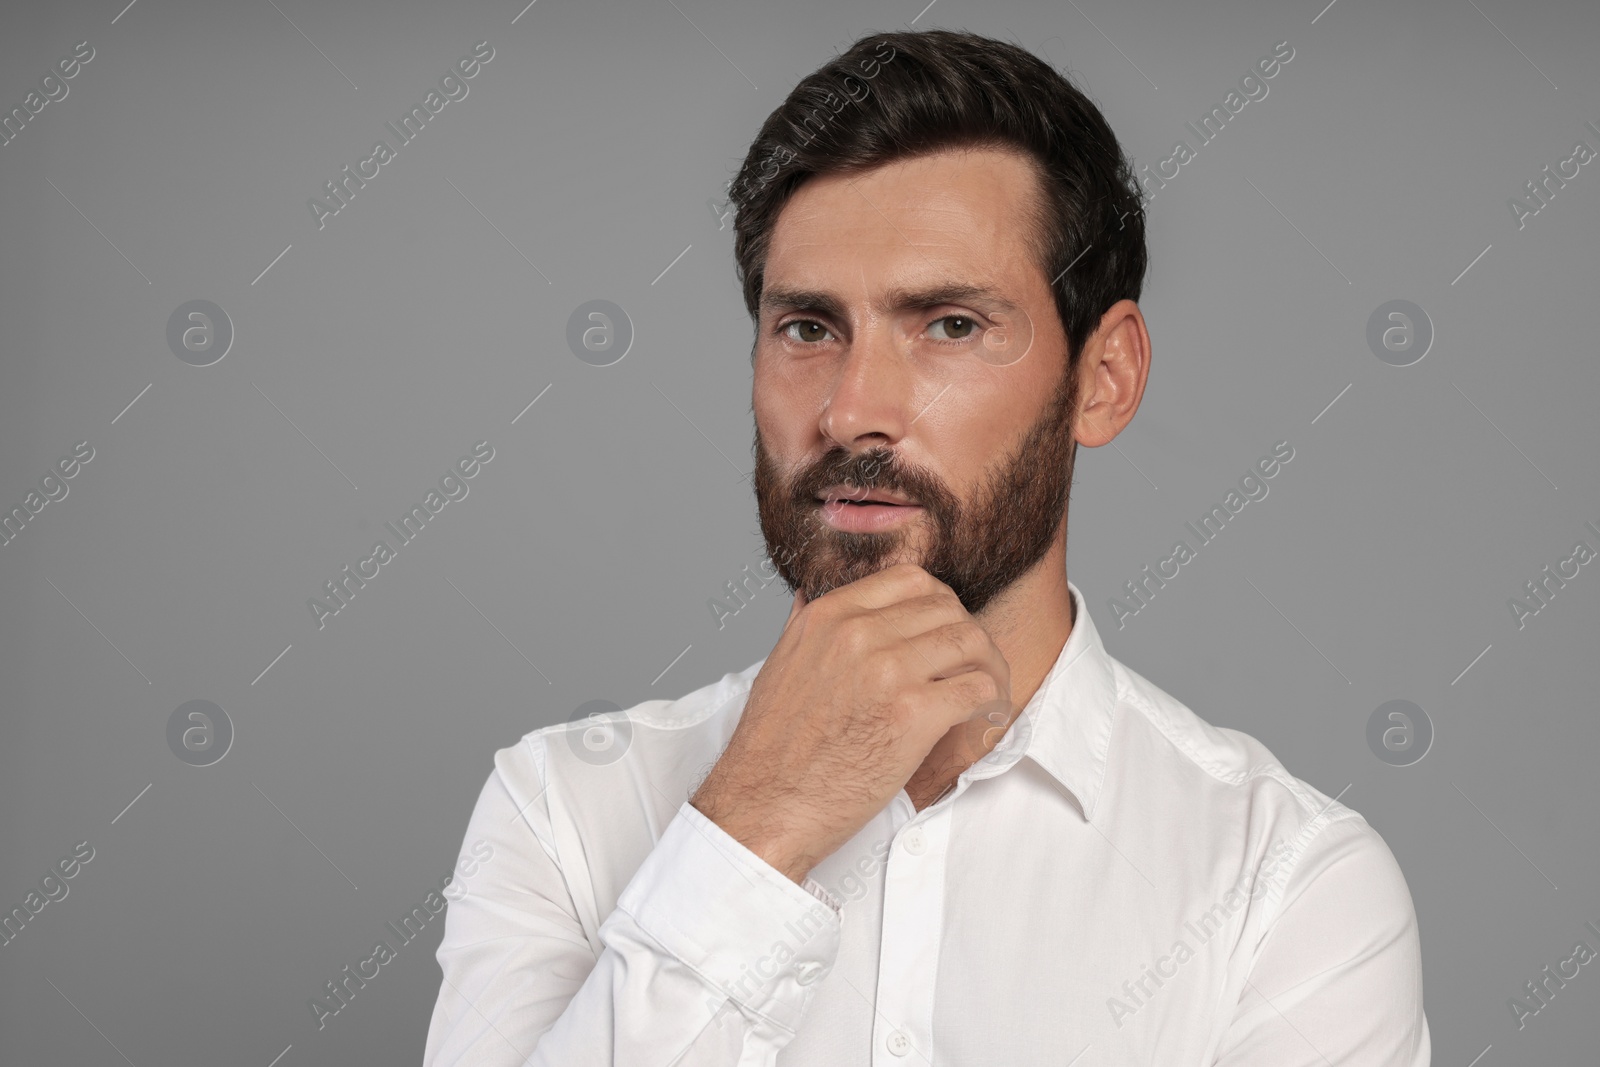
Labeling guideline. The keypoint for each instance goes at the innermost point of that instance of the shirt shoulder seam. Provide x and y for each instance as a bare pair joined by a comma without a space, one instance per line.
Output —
1129,692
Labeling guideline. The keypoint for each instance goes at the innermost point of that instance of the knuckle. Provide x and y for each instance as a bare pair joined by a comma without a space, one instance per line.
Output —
972,639
880,672
941,604
980,687
953,637
965,638
901,709
853,635
909,572
826,605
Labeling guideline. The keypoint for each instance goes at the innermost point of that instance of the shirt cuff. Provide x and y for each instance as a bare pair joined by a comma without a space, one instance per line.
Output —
760,939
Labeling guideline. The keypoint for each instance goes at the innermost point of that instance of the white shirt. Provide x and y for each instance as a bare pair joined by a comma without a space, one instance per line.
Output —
1118,882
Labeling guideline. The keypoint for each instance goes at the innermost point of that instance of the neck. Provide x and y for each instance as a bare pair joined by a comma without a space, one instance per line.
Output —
1030,623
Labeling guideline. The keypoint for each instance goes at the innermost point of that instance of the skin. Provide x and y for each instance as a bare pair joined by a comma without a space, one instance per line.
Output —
887,682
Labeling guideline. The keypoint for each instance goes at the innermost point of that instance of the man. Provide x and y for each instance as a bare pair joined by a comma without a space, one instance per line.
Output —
938,824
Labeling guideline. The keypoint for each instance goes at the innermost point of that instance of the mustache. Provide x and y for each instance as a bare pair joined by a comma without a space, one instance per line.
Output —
878,468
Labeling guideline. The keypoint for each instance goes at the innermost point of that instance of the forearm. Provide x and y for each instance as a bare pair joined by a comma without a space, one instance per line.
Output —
709,959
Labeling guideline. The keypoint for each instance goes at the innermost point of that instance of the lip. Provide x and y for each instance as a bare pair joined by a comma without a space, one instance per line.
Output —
870,517
881,496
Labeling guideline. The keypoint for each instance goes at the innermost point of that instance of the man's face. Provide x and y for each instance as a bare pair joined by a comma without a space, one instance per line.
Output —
909,349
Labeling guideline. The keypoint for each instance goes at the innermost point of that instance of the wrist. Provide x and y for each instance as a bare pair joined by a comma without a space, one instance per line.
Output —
769,846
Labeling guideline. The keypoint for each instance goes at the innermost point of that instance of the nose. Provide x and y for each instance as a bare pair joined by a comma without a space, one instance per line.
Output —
871,398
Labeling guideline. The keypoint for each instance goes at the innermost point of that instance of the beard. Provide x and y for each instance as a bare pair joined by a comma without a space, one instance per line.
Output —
977,548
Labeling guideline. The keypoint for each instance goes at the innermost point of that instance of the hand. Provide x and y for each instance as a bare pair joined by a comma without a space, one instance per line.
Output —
860,687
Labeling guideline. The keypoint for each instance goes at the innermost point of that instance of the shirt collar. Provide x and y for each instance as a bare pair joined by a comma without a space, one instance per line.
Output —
1066,726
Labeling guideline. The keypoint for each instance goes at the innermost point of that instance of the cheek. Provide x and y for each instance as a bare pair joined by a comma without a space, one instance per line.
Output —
787,403
963,426
965,435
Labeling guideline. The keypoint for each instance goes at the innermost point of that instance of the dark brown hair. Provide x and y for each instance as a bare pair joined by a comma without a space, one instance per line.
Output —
892,96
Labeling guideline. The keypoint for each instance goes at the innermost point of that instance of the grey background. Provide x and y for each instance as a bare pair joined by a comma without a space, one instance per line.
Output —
429,313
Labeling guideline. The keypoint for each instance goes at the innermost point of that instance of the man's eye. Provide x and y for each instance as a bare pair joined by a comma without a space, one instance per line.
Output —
806,330
959,327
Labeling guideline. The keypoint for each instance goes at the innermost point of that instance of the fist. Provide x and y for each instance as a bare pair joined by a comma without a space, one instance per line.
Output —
861,686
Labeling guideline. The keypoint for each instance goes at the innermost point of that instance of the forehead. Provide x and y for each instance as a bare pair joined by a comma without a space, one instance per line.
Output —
958,213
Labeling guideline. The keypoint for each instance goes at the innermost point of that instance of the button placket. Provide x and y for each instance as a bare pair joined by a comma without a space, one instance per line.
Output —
908,957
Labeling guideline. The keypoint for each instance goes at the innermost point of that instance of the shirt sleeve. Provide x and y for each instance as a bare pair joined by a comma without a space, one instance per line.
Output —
1338,979
710,958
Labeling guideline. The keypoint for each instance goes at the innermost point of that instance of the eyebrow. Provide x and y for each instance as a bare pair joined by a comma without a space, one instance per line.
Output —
781,298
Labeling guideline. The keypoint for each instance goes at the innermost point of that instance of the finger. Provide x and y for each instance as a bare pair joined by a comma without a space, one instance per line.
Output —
957,648
919,614
888,586
963,698
985,730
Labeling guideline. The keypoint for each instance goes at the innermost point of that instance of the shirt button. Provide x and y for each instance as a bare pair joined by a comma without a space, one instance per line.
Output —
916,841
806,973
898,1043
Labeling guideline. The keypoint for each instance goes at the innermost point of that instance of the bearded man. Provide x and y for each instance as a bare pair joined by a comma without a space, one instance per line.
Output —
938,823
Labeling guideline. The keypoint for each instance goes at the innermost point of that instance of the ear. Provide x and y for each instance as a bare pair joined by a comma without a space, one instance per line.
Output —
1112,372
